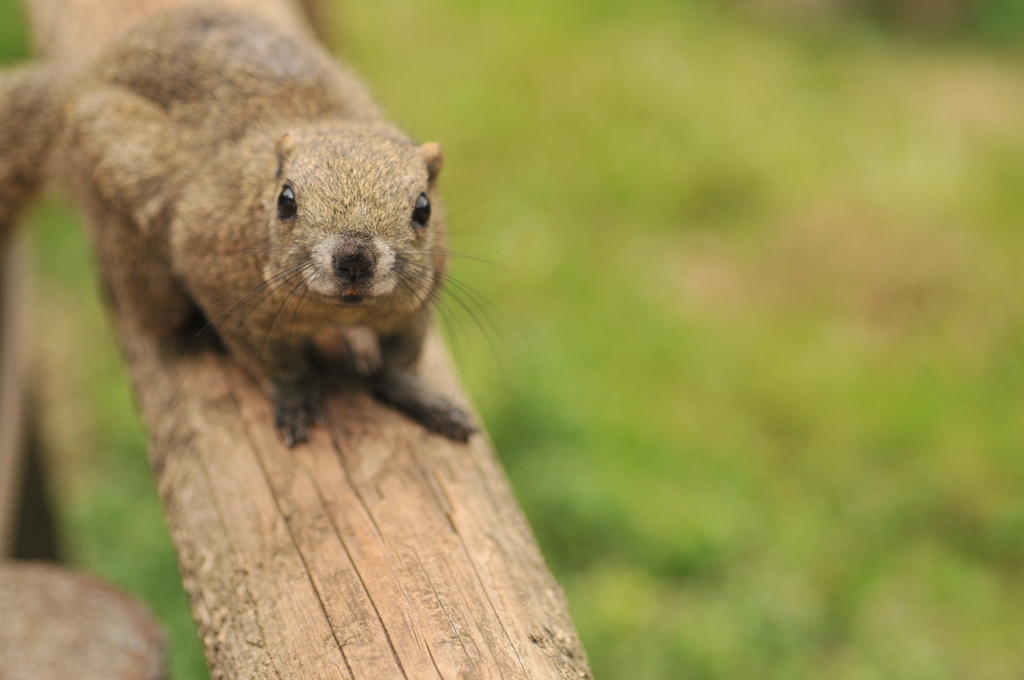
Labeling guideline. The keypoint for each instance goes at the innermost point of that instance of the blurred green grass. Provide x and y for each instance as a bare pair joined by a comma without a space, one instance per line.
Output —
757,370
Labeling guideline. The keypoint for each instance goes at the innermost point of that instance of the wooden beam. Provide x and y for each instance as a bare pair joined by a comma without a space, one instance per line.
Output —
375,551
59,624
14,315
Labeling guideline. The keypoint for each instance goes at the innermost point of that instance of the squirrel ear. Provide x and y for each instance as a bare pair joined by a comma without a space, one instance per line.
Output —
431,152
283,149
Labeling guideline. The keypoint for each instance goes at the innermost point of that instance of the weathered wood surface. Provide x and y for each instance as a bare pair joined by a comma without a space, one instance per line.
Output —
375,551
58,625
14,374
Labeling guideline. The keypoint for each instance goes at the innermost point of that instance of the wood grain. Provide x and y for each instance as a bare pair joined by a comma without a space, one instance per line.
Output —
376,550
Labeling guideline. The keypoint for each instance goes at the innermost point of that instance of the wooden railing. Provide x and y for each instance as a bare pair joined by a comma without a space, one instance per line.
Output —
375,551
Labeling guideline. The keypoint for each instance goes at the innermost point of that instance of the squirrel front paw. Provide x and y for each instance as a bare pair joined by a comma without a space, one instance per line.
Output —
450,421
293,423
422,403
297,408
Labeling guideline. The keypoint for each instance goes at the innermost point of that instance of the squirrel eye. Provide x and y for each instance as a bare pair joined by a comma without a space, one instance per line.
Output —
286,207
421,213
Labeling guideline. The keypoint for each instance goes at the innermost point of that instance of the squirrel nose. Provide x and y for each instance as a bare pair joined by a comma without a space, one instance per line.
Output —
353,264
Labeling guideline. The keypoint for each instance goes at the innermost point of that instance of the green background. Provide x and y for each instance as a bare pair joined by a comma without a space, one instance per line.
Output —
754,353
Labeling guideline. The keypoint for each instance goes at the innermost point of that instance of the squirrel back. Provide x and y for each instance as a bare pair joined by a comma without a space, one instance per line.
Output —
222,71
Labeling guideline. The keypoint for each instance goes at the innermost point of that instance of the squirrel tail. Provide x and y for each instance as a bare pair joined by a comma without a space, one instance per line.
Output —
30,122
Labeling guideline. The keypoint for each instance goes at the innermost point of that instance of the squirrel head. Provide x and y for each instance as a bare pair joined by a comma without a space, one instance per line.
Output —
357,205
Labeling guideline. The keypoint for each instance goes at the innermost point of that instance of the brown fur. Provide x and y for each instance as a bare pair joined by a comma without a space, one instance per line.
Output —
177,142
29,95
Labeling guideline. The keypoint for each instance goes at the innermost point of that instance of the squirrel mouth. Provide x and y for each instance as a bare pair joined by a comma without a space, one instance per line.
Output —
352,296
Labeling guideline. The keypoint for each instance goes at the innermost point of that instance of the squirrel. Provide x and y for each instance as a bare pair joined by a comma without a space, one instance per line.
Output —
230,168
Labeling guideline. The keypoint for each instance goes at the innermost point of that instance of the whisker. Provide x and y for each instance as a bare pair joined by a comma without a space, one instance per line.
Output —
417,283
461,256
295,312
475,305
474,295
282,282
280,311
253,292
466,208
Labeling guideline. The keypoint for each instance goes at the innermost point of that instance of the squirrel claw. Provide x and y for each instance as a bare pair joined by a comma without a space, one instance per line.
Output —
446,420
414,398
294,421
454,424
